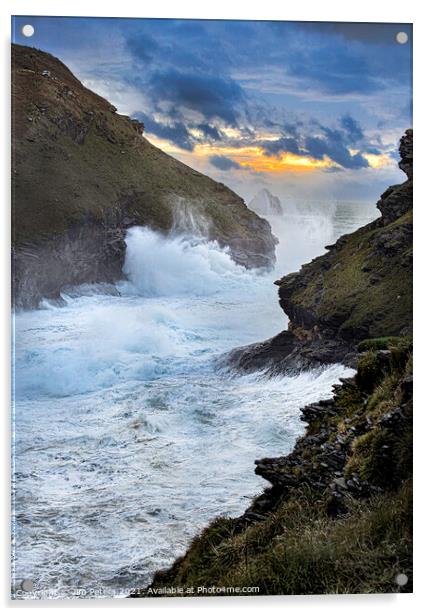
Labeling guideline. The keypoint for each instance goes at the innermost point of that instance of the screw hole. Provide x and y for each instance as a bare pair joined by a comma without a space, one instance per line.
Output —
401,579
27,585
402,38
27,30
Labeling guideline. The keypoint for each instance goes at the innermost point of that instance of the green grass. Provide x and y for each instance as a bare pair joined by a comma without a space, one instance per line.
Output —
380,344
300,548
60,181
358,291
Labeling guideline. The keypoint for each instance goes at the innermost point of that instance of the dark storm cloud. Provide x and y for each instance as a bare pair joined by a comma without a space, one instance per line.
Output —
292,129
209,131
330,142
284,144
335,150
330,59
330,67
212,96
176,132
335,143
336,59
223,163
143,47
190,45
373,150
352,128
379,33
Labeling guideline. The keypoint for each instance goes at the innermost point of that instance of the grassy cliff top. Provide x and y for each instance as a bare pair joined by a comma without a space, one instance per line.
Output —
76,159
338,518
362,287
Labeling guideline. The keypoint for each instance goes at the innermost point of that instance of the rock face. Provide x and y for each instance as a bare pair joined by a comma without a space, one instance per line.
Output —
361,288
406,153
325,455
337,517
266,204
82,174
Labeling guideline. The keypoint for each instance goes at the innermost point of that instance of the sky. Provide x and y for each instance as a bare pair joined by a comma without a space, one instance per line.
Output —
310,110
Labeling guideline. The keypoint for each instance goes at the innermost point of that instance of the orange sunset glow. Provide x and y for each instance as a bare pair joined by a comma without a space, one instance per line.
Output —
254,158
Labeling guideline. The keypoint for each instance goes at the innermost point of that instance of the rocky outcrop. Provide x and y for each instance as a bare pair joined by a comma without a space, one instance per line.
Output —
82,174
337,516
398,200
324,457
266,204
292,350
361,288
406,153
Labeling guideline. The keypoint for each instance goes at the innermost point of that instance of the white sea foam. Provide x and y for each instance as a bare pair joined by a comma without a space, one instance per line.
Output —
159,266
127,442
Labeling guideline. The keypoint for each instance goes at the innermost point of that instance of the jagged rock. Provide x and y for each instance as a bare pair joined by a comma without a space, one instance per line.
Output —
266,204
326,314
396,201
406,152
286,352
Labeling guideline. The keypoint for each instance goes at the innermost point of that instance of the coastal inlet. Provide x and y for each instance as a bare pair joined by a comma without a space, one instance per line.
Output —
128,441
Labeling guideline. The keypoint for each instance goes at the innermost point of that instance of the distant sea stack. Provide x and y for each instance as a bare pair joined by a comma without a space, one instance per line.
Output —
266,204
82,174
360,288
337,516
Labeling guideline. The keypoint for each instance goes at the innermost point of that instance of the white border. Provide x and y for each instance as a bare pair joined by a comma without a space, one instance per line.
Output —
312,10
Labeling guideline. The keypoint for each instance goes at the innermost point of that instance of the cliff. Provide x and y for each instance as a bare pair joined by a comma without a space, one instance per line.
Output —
82,174
360,288
337,517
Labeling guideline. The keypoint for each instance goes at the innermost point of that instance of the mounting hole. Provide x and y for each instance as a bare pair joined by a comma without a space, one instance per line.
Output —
27,30
401,579
402,38
27,585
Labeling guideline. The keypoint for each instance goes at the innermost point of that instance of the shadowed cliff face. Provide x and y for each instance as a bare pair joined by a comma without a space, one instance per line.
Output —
82,174
337,517
361,288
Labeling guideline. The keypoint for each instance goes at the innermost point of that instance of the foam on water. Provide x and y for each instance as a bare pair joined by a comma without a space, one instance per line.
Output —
159,266
127,442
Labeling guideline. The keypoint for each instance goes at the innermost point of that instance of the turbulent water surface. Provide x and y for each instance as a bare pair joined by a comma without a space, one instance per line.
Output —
127,441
